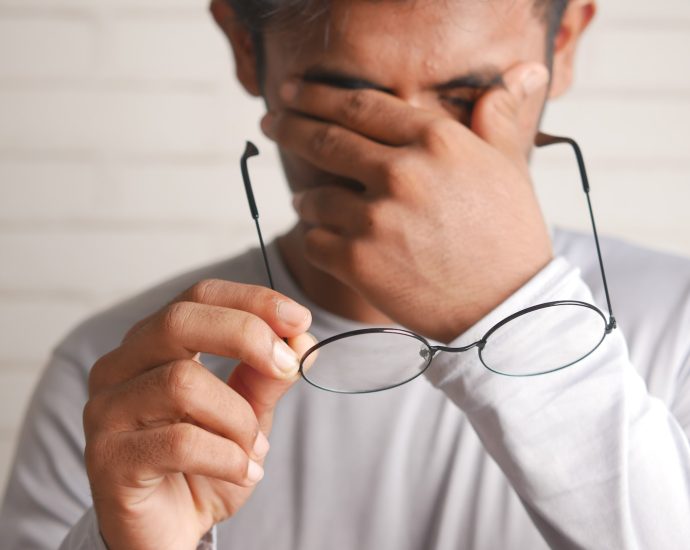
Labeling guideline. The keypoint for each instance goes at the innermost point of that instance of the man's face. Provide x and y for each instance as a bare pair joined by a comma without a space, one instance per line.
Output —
436,55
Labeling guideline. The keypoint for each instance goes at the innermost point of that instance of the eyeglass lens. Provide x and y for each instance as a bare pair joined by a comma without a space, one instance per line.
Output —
366,362
375,361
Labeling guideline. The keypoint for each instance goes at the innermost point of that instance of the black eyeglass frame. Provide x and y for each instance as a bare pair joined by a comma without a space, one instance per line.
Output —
610,324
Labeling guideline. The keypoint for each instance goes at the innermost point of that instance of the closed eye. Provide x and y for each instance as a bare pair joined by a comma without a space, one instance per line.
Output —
460,108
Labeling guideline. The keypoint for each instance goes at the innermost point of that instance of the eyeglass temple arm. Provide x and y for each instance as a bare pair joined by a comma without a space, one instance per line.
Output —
543,140
252,151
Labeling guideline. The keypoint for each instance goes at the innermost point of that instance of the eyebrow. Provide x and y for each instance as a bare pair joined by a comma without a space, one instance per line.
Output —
341,79
479,80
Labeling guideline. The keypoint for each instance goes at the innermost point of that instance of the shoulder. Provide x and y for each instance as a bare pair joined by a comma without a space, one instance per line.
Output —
634,273
104,331
650,296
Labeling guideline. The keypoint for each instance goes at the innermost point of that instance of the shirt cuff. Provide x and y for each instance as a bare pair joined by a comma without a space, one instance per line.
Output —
85,535
464,377
208,541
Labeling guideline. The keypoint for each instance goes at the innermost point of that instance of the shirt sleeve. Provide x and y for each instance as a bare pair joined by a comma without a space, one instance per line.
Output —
48,491
47,503
597,461
84,535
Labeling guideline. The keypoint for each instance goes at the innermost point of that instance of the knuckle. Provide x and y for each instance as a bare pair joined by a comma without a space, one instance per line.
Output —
248,428
100,375
205,291
92,414
238,462
252,329
250,425
253,342
182,440
396,173
354,108
175,318
505,105
98,454
262,295
96,376
179,382
253,432
440,133
325,140
104,372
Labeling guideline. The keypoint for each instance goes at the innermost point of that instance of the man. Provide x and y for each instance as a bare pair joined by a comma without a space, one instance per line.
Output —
405,130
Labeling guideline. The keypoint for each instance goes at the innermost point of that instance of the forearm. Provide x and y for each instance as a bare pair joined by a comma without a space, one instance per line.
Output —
598,462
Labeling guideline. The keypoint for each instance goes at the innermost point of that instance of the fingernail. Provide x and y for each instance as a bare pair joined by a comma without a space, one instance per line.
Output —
254,472
288,90
261,446
292,313
534,79
297,200
285,359
313,356
267,124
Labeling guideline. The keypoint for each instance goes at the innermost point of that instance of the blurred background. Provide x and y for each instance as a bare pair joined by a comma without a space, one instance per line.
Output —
121,127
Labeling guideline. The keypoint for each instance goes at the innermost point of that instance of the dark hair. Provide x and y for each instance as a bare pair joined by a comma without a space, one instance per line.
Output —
257,15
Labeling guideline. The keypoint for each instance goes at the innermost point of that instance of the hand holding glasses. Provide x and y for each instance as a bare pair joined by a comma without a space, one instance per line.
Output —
370,368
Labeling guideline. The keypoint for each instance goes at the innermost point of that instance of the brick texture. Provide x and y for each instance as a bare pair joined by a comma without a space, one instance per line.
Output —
121,125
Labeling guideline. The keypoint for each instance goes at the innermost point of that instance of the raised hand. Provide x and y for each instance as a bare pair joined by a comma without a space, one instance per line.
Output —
170,448
443,224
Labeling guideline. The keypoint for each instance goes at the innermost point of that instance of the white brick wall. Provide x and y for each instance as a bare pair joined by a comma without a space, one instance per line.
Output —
121,125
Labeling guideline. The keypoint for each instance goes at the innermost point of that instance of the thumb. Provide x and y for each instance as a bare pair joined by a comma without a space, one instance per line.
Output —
263,392
507,116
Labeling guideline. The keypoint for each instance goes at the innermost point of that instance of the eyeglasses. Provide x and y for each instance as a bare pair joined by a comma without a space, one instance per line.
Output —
376,359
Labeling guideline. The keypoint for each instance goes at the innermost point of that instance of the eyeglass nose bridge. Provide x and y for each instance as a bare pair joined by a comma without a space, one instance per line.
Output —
479,344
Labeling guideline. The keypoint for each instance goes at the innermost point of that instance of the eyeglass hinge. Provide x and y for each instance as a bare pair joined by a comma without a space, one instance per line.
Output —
612,325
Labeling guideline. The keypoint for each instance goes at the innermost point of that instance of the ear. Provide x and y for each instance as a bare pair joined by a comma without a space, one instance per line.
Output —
576,19
242,45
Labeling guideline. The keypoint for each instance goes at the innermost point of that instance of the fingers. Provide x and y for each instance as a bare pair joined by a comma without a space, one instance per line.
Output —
135,459
379,116
335,208
505,116
263,393
182,391
328,146
183,329
329,251
283,315
155,412
279,311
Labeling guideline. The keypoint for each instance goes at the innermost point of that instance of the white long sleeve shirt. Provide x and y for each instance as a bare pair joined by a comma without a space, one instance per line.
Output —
593,456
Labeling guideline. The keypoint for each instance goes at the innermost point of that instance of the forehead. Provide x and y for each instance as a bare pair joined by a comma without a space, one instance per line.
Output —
431,39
